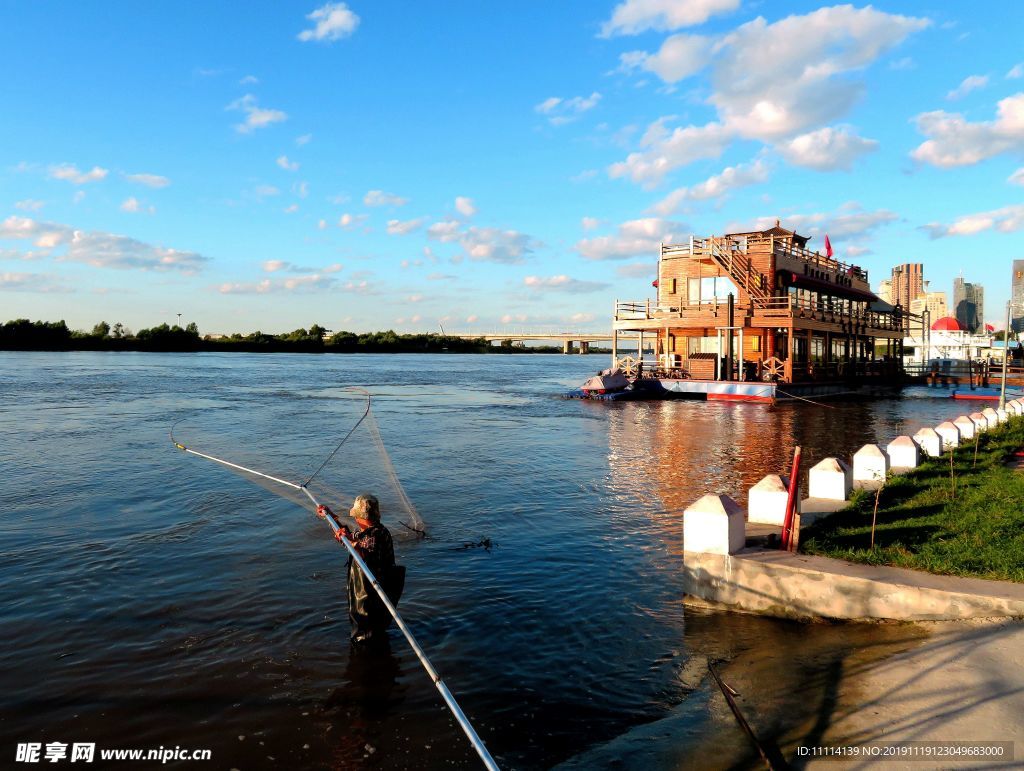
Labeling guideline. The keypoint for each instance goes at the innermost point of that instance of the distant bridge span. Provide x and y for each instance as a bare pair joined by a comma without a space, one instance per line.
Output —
583,339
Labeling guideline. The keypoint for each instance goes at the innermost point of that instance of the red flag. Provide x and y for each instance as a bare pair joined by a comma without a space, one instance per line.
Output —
655,283
828,246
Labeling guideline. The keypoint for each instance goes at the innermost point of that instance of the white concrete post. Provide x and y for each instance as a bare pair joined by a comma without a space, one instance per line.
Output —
965,426
870,467
949,434
991,417
1015,408
1002,415
929,441
904,454
766,501
830,479
714,525
980,422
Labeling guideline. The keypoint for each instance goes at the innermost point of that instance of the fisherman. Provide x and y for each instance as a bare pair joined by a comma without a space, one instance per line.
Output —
369,617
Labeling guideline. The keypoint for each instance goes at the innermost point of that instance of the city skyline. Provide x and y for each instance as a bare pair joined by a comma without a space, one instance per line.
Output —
375,166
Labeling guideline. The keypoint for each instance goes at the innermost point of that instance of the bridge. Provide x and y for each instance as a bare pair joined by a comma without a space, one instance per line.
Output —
566,338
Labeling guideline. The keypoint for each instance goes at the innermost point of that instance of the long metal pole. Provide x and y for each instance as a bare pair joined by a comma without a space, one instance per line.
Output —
460,716
1006,351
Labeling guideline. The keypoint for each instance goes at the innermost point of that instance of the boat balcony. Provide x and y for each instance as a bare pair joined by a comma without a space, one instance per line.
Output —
788,257
783,311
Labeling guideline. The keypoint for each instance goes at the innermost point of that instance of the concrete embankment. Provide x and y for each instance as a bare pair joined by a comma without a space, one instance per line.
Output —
782,583
721,570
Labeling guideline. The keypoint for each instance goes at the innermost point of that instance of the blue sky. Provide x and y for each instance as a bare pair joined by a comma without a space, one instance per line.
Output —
486,166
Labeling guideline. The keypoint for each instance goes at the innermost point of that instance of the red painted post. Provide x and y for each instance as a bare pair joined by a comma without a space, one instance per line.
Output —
791,501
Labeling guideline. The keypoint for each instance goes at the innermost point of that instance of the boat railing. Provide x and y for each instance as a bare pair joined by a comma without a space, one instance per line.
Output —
776,308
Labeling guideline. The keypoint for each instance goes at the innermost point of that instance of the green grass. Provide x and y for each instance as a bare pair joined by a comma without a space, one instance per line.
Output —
979,533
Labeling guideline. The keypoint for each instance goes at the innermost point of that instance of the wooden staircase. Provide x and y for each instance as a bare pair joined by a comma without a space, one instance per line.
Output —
735,262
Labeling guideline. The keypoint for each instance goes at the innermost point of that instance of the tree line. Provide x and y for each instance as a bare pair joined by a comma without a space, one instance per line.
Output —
22,334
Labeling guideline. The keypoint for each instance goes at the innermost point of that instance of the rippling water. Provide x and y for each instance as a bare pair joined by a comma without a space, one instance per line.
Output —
150,598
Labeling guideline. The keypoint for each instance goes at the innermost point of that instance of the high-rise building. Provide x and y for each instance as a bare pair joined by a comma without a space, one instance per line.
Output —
907,283
932,302
969,305
885,291
1017,297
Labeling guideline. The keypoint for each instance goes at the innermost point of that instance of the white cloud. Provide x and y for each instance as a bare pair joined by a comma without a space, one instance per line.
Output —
472,319
291,208
149,180
1017,178
955,141
380,198
255,116
332,21
665,151
776,80
348,221
848,222
464,206
969,84
1008,219
399,228
29,204
562,283
305,139
102,250
679,57
561,111
496,245
634,16
70,173
130,205
282,266
721,184
1017,71
301,189
296,284
265,191
590,223
107,250
582,318
249,79
287,165
638,270
441,277
445,232
826,149
32,282
322,225
483,244
414,298
78,197
635,238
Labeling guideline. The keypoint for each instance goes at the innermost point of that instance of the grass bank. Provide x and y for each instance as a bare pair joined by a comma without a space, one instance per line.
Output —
921,524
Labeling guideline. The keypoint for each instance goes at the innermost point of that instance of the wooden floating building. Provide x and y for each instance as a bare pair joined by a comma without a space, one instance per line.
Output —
758,316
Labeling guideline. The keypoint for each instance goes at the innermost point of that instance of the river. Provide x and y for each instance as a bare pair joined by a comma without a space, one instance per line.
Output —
151,598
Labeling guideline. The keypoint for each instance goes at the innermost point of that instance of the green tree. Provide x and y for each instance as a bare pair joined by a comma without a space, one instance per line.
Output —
317,332
192,329
118,331
101,330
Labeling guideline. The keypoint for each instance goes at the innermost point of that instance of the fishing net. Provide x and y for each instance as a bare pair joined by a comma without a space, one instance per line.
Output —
328,443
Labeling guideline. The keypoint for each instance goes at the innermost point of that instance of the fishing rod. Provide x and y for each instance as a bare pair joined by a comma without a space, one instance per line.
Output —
449,699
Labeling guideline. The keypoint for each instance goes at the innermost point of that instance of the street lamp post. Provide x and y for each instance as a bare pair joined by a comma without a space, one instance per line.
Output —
179,319
1006,356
